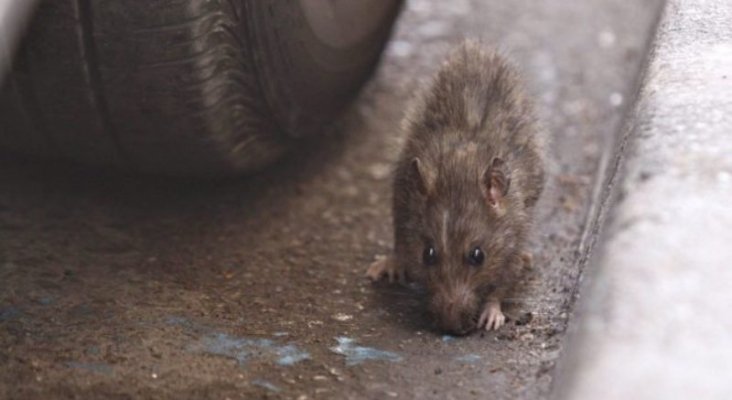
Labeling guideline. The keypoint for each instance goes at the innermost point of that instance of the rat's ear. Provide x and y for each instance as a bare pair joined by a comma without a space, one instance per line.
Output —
422,175
496,182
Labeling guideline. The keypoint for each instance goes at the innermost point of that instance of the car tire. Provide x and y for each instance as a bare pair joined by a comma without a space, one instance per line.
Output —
186,87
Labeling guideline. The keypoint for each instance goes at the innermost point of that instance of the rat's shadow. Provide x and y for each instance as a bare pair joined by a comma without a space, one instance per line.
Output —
402,305
406,306
60,210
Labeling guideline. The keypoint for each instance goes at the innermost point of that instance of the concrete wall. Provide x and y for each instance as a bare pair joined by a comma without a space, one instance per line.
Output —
655,311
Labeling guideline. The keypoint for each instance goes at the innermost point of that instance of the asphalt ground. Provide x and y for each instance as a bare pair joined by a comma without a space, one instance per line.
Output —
119,286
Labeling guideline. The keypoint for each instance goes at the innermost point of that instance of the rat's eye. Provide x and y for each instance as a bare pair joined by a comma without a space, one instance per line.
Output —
429,256
476,256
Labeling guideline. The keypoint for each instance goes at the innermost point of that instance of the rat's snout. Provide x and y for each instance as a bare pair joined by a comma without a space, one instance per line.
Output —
455,309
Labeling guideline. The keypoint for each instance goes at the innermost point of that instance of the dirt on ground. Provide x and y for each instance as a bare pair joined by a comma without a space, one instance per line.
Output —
120,286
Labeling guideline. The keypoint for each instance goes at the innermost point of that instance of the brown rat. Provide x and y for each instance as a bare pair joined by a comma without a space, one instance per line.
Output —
465,185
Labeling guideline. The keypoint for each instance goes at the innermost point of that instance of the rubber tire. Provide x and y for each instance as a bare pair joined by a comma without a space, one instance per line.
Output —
184,87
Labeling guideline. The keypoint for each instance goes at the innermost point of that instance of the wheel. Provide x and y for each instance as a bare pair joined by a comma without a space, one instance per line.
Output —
186,86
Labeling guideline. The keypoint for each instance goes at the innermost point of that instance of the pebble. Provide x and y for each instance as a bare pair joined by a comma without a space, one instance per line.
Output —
350,191
400,48
616,99
433,29
342,317
724,177
379,171
527,337
606,39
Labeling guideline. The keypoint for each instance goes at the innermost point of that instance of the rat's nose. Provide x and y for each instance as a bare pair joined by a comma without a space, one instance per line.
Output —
455,321
455,308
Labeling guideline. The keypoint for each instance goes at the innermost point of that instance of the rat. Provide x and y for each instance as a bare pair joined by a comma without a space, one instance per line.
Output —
464,189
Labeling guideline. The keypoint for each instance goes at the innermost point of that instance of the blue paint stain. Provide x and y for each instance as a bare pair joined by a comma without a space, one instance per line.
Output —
448,338
98,368
358,354
289,355
8,313
266,384
186,324
46,301
177,321
468,358
242,349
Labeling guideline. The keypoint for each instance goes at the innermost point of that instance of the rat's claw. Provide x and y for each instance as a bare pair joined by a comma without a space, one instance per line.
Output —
376,270
396,275
527,258
402,276
492,317
386,266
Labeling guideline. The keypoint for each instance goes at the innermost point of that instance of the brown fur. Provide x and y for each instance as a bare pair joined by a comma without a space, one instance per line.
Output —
473,128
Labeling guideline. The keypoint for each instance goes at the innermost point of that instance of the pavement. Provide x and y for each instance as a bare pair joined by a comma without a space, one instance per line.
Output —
654,317
119,286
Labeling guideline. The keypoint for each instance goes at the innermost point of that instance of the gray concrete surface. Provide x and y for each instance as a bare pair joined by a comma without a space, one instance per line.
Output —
654,321
127,287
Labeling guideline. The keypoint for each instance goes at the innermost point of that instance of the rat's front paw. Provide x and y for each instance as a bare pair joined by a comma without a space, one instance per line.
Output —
386,266
492,317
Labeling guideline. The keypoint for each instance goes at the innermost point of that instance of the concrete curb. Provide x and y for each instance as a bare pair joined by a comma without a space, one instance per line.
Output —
654,320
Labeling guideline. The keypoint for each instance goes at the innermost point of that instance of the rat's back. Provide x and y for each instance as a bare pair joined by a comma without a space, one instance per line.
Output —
473,88
477,101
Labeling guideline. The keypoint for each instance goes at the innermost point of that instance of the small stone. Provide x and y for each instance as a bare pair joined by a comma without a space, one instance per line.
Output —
400,48
314,323
606,39
379,171
724,177
616,99
351,191
373,198
342,317
433,29
524,318
344,174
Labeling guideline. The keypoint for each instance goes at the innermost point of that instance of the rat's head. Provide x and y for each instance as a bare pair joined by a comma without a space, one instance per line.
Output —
464,235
